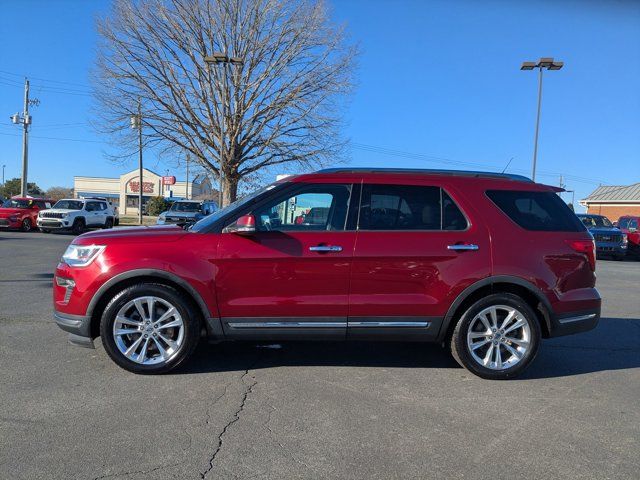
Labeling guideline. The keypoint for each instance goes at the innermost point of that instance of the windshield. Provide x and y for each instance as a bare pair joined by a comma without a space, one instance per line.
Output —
185,207
204,223
17,203
596,221
68,205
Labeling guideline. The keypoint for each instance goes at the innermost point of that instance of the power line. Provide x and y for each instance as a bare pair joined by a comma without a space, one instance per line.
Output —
46,79
54,138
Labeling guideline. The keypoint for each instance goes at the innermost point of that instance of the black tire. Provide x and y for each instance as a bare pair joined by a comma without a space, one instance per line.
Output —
116,222
188,313
618,258
461,351
108,223
78,226
26,225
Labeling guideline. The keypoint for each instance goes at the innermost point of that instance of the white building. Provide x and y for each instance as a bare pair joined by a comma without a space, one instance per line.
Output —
123,192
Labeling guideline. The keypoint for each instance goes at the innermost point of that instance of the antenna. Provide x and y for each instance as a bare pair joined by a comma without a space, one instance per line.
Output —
507,166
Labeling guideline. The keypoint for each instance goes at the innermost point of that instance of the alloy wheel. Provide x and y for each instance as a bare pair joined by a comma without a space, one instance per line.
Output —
149,330
499,337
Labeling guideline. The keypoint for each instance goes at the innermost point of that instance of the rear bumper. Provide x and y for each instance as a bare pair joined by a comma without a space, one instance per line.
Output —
78,327
574,322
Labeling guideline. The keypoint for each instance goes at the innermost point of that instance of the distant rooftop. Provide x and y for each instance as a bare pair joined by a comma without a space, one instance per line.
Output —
426,171
614,194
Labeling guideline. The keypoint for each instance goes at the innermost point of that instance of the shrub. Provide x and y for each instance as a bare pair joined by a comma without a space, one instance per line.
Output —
157,205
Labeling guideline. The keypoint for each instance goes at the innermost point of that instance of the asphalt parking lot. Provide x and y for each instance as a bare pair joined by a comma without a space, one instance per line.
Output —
311,410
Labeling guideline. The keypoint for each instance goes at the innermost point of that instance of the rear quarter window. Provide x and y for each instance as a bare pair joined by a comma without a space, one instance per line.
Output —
536,211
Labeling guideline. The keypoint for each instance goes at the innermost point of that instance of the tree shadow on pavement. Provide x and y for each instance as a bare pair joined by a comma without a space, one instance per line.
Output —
613,345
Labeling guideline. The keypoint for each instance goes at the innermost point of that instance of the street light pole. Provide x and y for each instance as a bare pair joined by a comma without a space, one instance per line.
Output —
3,167
220,58
136,123
543,63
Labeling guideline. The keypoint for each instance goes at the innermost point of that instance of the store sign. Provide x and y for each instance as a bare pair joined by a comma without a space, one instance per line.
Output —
169,180
147,187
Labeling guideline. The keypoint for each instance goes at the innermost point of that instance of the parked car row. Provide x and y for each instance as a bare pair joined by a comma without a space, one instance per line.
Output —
73,214
617,240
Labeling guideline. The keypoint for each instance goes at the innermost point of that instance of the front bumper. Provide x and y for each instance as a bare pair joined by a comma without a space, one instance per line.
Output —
78,327
610,248
53,223
8,224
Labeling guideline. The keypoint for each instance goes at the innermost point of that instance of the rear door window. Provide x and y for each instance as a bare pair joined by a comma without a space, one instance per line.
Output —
408,207
536,211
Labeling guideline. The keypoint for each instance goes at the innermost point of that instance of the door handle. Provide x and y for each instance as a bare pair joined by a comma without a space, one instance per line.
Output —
326,248
462,247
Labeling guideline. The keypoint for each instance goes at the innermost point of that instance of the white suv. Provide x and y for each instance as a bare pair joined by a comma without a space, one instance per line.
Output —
76,214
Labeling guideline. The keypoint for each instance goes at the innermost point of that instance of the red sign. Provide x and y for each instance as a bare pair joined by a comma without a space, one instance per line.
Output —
168,180
147,187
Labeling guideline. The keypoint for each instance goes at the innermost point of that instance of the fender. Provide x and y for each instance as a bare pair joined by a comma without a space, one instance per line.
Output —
212,323
491,281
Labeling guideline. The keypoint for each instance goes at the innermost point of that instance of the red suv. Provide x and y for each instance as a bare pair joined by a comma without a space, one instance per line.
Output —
22,213
484,263
629,226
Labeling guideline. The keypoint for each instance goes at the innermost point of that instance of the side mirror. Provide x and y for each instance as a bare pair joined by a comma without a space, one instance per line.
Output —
245,225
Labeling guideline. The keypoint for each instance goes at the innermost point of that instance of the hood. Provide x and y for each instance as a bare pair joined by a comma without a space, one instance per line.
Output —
181,214
60,210
132,235
605,231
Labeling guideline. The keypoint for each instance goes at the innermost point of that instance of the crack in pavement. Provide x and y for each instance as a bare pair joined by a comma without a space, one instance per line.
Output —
234,419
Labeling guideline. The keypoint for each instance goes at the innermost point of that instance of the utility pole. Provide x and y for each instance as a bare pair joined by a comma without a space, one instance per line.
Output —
25,140
25,120
187,184
3,167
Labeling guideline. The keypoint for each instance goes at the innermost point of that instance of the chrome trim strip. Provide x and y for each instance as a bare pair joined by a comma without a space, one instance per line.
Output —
577,319
462,247
287,324
389,324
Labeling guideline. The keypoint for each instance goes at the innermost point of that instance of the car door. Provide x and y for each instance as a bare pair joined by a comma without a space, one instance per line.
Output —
289,279
415,251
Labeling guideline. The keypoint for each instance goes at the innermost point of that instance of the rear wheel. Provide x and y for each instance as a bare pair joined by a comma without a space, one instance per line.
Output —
149,328
497,337
26,225
108,223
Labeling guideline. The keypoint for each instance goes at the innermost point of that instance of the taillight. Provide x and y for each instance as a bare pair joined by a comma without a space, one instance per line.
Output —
588,247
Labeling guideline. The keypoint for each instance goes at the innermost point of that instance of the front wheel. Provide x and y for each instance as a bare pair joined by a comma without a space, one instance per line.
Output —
149,328
26,225
108,223
497,337
78,226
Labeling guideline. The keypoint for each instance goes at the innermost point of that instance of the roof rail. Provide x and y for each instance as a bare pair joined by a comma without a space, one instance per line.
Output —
427,171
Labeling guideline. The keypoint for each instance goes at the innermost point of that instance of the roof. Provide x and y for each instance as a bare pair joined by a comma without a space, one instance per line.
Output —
426,171
614,194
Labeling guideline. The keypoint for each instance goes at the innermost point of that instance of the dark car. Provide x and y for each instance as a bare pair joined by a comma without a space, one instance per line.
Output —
182,212
610,240
487,264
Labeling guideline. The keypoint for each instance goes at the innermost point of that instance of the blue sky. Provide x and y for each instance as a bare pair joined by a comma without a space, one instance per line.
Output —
439,86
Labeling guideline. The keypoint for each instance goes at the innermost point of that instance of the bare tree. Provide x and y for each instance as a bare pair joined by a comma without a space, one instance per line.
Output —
280,110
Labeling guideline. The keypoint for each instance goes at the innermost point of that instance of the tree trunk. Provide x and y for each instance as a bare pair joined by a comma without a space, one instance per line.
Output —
230,192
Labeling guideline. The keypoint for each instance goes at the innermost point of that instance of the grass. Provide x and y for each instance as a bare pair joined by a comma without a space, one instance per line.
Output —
133,220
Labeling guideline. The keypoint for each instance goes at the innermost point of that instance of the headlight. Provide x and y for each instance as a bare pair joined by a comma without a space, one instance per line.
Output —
625,239
81,255
65,215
